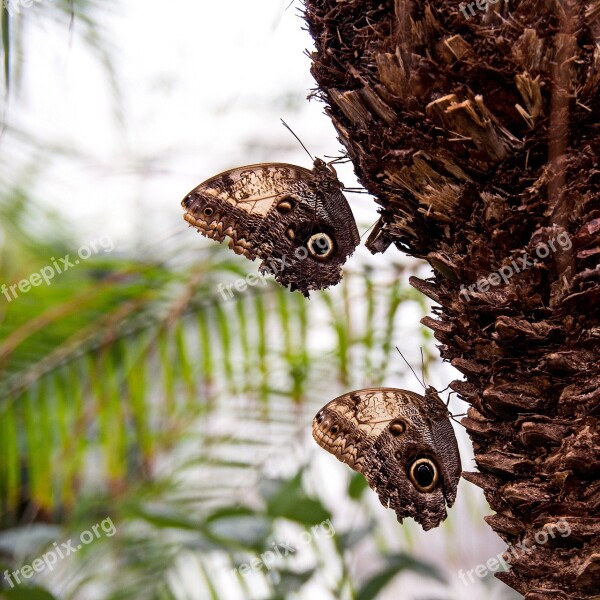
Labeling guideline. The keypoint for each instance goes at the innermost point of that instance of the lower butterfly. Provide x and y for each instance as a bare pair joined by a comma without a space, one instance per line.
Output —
402,442
295,219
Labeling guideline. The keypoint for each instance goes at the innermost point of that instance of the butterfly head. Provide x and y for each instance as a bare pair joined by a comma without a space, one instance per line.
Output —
327,174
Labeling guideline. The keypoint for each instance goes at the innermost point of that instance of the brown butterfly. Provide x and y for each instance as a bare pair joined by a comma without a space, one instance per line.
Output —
296,220
402,442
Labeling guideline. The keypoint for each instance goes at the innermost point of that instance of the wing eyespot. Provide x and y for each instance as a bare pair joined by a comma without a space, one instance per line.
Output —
208,211
320,246
424,474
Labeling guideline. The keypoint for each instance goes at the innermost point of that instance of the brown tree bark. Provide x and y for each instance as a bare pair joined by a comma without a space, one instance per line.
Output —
476,128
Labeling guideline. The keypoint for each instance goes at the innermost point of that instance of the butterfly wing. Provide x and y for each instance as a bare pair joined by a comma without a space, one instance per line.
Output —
234,203
296,220
400,442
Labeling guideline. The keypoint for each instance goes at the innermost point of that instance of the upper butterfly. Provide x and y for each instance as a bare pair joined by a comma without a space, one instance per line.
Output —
296,220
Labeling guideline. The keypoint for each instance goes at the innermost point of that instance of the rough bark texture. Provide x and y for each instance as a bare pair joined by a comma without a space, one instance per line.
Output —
479,137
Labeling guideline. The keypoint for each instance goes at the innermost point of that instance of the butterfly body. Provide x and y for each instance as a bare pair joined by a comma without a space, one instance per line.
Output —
295,219
402,442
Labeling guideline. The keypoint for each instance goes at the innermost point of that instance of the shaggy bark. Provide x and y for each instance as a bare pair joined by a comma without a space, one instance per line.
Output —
479,137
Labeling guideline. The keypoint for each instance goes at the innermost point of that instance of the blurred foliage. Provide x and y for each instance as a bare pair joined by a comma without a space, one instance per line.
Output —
124,380
116,357
77,17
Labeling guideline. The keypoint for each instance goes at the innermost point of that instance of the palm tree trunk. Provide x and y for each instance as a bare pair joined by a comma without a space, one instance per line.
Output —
475,125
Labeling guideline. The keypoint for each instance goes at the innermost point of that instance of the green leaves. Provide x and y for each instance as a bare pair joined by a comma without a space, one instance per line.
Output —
291,502
87,358
358,484
26,593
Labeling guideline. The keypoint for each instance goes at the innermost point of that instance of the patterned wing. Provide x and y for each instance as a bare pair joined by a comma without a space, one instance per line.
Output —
236,202
401,442
296,220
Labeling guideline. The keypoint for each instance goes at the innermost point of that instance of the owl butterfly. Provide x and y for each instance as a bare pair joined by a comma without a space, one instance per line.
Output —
402,442
296,220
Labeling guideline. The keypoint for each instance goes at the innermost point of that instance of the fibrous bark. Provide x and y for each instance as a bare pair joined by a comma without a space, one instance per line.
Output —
477,131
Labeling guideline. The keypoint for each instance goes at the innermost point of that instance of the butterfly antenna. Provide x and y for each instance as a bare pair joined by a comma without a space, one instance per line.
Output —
299,140
413,371
422,366
453,417
307,152
337,159
367,231
357,190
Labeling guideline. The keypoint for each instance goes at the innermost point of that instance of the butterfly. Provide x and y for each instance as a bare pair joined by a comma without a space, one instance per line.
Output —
402,442
295,219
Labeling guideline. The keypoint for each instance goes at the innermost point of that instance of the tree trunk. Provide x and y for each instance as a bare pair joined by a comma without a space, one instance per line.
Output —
477,131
